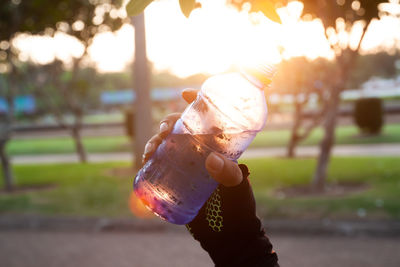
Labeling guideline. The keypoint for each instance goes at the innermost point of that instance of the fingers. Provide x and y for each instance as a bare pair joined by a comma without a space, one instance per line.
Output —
151,147
223,170
189,94
166,126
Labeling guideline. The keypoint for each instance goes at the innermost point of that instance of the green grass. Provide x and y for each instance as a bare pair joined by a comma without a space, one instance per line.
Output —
382,175
268,138
104,117
90,190
80,189
344,135
63,145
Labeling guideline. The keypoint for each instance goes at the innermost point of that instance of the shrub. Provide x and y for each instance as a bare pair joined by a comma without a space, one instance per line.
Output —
129,123
368,115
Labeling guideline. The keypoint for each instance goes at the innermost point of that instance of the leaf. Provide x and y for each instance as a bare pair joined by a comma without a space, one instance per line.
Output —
187,6
267,7
135,7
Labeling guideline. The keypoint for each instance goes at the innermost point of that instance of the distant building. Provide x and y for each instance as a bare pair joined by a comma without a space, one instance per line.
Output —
25,104
126,96
375,87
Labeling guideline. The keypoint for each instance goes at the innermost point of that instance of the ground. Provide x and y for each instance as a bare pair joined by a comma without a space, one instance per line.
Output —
160,249
93,189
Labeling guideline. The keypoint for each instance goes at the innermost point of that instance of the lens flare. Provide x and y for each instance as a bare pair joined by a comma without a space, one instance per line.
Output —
138,208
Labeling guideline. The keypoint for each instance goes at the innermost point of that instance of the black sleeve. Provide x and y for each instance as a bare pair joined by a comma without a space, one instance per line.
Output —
229,230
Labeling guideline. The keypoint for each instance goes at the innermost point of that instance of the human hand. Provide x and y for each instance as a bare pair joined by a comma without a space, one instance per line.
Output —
226,226
223,170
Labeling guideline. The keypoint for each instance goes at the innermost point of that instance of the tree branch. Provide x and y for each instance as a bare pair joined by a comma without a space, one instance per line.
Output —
362,36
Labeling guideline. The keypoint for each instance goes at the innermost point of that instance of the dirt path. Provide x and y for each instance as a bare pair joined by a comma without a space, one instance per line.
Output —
37,249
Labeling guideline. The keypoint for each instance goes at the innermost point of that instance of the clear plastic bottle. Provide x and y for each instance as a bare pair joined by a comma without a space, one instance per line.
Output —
229,111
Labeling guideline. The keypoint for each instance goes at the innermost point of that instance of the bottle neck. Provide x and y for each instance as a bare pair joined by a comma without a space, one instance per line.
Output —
253,80
260,76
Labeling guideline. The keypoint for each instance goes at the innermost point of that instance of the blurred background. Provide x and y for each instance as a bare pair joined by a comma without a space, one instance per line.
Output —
83,86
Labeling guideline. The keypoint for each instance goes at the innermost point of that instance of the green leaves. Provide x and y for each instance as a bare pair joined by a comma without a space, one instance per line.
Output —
135,7
187,6
267,7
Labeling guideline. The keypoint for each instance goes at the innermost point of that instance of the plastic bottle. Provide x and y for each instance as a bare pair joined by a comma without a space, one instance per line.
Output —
229,111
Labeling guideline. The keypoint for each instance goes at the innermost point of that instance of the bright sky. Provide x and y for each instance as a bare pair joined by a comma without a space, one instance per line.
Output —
214,38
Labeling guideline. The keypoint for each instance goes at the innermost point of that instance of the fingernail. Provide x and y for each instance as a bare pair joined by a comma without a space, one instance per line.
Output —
215,163
164,127
148,148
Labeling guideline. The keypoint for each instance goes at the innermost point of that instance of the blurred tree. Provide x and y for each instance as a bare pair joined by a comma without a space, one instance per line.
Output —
141,72
63,93
82,19
6,121
305,80
381,64
12,83
339,18
74,86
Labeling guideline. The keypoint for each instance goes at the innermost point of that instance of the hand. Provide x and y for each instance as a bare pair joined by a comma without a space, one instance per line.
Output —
226,226
223,170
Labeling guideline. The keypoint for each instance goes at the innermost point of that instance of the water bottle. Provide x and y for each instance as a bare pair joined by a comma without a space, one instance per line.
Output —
229,111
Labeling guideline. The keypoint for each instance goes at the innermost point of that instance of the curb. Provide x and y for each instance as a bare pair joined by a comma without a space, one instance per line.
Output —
379,228
85,224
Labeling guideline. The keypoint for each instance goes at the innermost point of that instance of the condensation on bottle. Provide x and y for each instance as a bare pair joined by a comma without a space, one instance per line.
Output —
229,111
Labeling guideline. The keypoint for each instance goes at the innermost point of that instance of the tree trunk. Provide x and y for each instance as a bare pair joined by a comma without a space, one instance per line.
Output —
80,149
143,118
6,123
294,137
292,144
291,148
6,167
327,142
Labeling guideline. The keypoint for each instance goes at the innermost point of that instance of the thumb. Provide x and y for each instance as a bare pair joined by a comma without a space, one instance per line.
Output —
223,170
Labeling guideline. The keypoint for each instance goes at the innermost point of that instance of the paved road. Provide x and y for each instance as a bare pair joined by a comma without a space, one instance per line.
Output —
311,151
37,249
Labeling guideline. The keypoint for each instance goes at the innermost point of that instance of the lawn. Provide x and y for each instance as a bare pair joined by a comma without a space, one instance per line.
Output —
344,135
268,138
91,190
63,145
381,199
79,189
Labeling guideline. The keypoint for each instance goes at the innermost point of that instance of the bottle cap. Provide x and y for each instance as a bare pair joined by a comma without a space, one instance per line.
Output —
261,75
